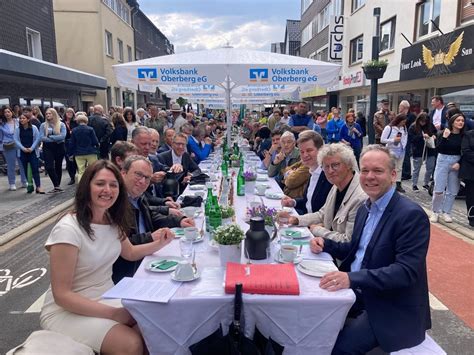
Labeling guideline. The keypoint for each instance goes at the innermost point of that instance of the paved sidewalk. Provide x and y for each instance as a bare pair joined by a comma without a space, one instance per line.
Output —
17,208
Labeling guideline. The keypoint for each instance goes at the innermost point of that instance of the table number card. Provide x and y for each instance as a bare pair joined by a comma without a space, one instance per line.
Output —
267,279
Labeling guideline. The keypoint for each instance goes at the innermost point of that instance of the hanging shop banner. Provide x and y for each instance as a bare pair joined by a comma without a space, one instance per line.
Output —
446,54
336,36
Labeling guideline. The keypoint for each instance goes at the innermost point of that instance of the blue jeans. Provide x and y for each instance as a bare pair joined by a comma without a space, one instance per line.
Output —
417,163
446,183
11,160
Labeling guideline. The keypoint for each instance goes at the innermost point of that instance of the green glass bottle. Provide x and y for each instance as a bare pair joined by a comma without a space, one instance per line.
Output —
208,206
215,215
241,180
236,148
224,167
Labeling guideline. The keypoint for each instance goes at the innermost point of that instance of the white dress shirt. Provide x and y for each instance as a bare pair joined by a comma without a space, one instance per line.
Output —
176,159
313,181
437,116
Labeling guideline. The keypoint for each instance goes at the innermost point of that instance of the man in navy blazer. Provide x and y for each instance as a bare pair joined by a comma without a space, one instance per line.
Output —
438,114
384,264
317,189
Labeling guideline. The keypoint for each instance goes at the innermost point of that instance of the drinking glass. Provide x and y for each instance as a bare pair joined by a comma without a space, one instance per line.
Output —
186,247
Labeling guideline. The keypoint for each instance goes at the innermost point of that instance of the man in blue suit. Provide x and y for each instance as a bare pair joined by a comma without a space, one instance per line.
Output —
384,264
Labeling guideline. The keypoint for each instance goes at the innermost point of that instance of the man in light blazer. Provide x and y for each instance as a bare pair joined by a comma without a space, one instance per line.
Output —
384,264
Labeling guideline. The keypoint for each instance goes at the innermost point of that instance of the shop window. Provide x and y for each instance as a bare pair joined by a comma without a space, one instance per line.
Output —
129,53
118,97
138,54
428,11
108,44
356,49
322,55
356,4
305,4
387,34
33,41
120,49
307,33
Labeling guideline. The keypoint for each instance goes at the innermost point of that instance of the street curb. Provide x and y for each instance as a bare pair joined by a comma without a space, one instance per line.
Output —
466,232
15,232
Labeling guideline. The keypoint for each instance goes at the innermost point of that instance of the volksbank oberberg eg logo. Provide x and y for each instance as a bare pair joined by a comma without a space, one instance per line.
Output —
147,74
258,75
283,75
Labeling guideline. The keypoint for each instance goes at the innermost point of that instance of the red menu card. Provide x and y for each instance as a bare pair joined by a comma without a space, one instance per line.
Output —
267,279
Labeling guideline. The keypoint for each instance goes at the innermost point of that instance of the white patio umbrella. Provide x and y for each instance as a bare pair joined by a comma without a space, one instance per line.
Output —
228,68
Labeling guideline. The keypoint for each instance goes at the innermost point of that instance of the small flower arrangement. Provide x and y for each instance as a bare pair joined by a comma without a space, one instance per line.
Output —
250,175
229,234
268,214
234,157
227,212
376,63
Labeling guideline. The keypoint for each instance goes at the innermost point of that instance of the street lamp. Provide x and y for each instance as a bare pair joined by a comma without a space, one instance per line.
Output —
374,82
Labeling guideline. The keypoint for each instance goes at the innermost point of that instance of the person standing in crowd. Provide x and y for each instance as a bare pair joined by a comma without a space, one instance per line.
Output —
438,114
318,187
315,116
466,172
82,248
404,108
27,140
334,126
322,122
177,119
8,126
120,132
83,145
446,174
274,119
284,120
141,116
422,138
157,120
70,124
287,156
53,135
28,112
362,121
37,113
351,134
103,130
381,120
384,264
300,121
335,219
395,136
130,122
199,144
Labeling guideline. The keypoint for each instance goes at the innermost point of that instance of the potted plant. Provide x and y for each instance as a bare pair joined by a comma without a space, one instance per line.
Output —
227,213
268,214
229,240
235,161
250,177
375,69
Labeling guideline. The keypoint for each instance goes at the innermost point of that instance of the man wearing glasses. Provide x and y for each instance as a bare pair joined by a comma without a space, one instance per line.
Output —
137,174
335,220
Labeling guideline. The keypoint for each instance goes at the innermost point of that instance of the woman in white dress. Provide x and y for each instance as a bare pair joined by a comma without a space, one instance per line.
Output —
83,246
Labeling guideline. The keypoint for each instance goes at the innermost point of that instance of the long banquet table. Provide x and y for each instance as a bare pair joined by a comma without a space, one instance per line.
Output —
304,324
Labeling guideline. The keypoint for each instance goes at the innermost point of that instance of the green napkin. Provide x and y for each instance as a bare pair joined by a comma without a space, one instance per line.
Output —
300,242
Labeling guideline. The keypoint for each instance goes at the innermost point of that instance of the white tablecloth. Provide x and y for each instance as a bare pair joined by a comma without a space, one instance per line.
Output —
304,324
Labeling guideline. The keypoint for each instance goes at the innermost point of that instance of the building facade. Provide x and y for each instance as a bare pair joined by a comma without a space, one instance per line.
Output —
29,74
292,37
435,58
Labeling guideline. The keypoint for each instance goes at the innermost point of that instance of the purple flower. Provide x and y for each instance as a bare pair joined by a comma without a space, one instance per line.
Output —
250,176
268,214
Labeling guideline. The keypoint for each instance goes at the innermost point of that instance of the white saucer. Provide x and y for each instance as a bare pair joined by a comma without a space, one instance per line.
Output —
273,195
198,239
197,187
196,276
262,178
279,259
316,268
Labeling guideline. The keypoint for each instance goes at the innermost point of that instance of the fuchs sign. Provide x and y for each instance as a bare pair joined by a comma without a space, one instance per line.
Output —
336,30
442,55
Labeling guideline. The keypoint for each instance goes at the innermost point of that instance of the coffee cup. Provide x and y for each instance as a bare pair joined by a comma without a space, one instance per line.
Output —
184,271
260,189
288,252
190,233
189,211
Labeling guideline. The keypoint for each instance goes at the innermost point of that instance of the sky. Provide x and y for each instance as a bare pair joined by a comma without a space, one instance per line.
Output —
206,24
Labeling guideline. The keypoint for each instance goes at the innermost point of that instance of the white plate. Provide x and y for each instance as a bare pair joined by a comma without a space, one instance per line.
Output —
197,187
262,178
273,195
262,171
279,259
167,258
260,184
196,276
316,268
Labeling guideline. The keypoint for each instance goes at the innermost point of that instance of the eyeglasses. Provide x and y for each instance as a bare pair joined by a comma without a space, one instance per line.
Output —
333,166
140,176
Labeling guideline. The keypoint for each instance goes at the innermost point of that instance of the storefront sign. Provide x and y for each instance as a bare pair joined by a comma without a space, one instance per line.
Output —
336,30
352,80
446,54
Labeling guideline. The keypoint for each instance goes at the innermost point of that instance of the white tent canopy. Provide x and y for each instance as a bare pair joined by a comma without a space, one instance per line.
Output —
228,68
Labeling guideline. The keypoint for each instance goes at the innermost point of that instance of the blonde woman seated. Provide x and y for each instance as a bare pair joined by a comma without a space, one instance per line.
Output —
335,220
82,248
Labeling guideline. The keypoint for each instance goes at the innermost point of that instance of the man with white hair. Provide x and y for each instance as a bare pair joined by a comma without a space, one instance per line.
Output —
335,220
103,130
287,156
